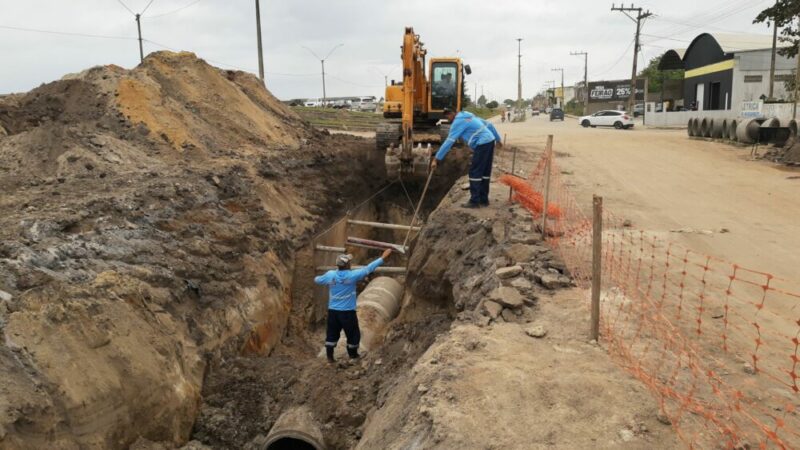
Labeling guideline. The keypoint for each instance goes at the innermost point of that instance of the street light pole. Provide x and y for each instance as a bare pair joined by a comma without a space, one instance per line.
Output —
585,78
562,84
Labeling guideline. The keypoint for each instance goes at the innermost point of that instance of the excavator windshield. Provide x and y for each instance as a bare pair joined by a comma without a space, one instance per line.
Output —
444,86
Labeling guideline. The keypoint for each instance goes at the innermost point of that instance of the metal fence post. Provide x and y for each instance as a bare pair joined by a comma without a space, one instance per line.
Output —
597,249
548,151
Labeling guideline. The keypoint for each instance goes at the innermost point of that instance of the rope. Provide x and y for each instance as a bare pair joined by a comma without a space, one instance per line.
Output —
416,211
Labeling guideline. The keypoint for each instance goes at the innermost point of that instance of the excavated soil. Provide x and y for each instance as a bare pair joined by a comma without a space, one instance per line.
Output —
149,223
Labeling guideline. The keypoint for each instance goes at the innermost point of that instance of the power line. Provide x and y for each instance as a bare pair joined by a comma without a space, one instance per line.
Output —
175,10
66,33
145,8
126,7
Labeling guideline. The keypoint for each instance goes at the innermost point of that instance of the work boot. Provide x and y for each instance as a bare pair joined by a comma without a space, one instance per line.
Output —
470,205
484,204
329,354
353,353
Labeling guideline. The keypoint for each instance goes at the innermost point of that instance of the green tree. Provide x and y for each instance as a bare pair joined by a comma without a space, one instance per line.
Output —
783,14
655,76
482,101
492,104
509,102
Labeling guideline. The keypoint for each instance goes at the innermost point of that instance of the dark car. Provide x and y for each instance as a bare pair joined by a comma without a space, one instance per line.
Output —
556,114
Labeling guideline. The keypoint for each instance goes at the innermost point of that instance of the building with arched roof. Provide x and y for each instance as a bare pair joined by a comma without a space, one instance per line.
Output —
724,70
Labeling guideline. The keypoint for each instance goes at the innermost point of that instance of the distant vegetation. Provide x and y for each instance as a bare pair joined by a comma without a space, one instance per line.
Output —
483,113
339,119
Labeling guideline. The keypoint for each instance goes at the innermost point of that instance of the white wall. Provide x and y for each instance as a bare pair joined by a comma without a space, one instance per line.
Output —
783,111
756,63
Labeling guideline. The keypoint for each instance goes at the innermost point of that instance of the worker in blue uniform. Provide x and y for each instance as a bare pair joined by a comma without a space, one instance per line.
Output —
481,136
342,302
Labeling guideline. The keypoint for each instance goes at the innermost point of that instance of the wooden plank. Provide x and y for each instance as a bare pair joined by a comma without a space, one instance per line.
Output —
382,269
367,243
387,226
325,248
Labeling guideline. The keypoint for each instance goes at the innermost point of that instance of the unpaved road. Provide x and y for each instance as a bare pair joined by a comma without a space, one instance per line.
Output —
662,181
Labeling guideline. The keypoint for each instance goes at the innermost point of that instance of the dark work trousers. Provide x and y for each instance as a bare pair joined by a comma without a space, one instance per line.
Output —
338,321
480,173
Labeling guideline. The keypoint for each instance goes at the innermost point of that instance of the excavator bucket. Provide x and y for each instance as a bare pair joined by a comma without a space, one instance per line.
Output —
416,164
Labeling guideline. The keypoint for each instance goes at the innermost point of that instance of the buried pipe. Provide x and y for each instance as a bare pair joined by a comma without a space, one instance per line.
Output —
378,305
295,429
732,125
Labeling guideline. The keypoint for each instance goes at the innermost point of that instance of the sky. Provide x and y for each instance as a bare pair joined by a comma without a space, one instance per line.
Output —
483,33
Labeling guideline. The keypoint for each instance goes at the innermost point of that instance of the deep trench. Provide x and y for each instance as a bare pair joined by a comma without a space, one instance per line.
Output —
244,396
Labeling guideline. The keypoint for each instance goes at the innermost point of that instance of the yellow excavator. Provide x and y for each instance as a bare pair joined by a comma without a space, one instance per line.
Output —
413,108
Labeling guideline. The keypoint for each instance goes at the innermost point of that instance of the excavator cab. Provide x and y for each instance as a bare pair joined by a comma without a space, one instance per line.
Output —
413,109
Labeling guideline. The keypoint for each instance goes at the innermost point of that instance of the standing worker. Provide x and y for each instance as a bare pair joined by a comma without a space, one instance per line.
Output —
342,302
481,137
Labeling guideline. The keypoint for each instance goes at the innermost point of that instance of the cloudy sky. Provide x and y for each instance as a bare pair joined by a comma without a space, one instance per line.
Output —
482,32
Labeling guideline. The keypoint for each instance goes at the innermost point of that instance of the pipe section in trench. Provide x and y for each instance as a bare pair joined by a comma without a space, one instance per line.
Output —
378,305
295,429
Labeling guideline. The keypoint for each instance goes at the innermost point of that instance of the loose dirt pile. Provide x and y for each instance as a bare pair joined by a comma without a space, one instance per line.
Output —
149,222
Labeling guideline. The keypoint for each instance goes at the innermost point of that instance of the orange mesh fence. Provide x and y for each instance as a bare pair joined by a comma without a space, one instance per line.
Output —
717,344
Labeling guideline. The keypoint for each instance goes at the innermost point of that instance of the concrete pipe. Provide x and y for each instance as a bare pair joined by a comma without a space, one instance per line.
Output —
778,136
792,134
696,126
715,125
705,127
690,128
295,429
747,130
378,305
732,125
725,129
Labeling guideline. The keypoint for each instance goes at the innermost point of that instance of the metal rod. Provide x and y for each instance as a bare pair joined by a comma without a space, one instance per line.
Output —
387,226
382,269
367,243
325,248
549,152
597,257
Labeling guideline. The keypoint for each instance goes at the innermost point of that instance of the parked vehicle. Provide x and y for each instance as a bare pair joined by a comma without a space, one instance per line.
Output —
617,119
638,109
535,112
556,114
368,104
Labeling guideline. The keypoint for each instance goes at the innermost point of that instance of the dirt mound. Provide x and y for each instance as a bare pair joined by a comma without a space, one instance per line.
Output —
150,221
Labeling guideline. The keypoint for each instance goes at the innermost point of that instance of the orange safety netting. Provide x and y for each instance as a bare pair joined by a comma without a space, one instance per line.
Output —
716,343
527,196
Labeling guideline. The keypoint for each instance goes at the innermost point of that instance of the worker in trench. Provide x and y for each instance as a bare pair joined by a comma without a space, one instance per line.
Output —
481,136
341,284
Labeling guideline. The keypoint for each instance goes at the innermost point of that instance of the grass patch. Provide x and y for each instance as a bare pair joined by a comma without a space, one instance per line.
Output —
340,119
483,113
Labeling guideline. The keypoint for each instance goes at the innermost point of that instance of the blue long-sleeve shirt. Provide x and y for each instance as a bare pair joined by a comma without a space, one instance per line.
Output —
342,285
474,130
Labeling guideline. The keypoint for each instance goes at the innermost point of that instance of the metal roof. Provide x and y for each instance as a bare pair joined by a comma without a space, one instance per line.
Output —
731,43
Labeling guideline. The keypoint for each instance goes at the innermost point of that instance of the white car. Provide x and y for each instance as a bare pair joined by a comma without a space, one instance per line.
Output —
617,119
366,104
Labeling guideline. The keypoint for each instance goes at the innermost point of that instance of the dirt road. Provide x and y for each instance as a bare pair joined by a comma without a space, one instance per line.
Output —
662,180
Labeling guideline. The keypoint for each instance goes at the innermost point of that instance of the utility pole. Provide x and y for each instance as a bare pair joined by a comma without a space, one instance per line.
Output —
638,19
519,74
585,78
139,27
322,62
562,84
772,63
258,35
